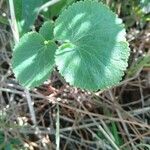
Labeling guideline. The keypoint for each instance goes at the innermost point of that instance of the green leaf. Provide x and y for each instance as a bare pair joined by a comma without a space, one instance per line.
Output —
95,52
145,5
117,137
2,137
4,20
8,146
14,141
57,8
33,59
141,62
26,12
47,30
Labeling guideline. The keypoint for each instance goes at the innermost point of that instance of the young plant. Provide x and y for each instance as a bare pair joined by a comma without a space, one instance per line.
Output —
92,51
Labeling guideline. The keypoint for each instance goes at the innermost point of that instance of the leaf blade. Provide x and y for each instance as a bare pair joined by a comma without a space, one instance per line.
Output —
26,12
47,30
32,60
98,51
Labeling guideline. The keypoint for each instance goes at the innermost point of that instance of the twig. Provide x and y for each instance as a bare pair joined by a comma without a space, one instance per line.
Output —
32,112
140,111
142,97
76,141
132,140
103,131
143,125
30,105
123,123
57,129
100,143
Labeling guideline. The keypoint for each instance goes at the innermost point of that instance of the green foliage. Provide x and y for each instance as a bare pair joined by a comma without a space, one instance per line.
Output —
112,128
10,144
47,30
27,10
1,137
26,13
93,51
133,11
3,20
57,8
33,58
114,131
145,4
143,61
95,37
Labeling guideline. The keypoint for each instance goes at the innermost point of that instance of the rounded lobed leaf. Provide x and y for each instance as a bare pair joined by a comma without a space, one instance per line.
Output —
33,59
47,30
94,53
